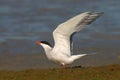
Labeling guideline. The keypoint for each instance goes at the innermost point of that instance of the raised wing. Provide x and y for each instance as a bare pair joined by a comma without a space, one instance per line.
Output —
64,32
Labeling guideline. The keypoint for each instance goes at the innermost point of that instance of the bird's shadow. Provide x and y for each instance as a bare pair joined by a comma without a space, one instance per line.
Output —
75,67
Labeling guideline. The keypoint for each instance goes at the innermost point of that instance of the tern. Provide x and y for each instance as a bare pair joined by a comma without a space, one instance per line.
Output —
61,52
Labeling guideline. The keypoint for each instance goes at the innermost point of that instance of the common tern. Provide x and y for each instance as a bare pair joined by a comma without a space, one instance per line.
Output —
61,53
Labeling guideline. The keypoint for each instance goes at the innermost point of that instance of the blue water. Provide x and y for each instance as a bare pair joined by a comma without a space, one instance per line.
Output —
24,21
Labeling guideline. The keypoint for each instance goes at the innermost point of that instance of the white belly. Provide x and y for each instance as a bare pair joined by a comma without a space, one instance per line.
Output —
60,58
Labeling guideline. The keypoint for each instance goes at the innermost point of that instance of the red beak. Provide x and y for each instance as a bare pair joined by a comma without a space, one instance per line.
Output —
37,42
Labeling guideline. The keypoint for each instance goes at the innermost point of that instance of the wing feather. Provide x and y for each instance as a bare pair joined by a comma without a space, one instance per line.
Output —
64,32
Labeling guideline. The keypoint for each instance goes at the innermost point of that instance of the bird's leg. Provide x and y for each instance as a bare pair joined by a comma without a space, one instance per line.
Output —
63,66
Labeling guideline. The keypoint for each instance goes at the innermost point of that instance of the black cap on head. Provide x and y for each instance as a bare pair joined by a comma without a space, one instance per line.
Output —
45,42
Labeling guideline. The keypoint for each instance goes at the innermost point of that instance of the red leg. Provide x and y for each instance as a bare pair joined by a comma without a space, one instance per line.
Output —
63,66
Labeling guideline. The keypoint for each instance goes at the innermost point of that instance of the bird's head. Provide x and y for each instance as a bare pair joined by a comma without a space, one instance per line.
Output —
46,45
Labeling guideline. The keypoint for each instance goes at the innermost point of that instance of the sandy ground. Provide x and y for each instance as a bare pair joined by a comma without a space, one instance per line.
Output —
111,72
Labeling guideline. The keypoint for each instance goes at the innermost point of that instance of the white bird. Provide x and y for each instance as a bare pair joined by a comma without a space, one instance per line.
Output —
61,53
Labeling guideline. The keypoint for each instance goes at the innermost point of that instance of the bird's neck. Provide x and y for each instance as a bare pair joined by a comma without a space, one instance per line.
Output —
47,48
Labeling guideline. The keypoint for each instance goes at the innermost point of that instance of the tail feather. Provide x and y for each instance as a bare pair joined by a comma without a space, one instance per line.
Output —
75,57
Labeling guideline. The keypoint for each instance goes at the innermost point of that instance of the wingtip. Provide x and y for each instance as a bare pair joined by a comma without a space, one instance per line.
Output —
98,13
